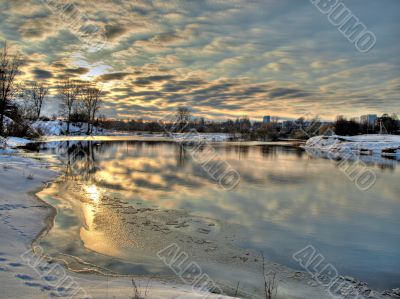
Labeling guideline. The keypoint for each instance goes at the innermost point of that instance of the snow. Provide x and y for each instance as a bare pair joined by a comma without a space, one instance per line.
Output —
23,217
208,137
365,145
13,142
7,121
58,127
49,127
16,141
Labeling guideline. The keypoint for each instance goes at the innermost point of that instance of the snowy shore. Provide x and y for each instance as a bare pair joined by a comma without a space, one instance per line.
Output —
58,127
373,146
23,218
13,142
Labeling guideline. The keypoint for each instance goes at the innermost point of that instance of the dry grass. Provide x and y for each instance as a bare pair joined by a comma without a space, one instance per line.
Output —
137,292
270,285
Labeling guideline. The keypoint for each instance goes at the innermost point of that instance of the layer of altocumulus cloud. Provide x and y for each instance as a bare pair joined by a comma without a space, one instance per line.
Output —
222,58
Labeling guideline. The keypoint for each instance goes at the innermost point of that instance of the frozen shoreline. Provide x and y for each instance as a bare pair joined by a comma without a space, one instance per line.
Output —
375,147
24,218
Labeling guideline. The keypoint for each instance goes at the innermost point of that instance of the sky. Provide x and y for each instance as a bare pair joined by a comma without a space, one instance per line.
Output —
221,58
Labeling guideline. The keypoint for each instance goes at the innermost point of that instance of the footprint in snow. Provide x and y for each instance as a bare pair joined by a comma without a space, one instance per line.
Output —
33,284
44,268
39,285
50,278
24,277
47,288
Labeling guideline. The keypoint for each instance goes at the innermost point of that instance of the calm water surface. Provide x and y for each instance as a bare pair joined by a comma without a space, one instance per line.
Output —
285,201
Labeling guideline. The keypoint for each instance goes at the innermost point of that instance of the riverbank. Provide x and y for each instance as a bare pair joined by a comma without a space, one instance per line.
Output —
24,219
376,146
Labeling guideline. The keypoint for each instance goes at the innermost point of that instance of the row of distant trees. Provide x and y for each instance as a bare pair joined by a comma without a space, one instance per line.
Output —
244,129
79,100
386,124
240,125
183,121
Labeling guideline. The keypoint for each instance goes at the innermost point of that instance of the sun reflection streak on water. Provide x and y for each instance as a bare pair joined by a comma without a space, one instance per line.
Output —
94,193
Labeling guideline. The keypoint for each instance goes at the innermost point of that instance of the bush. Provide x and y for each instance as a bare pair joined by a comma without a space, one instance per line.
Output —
346,127
21,130
300,134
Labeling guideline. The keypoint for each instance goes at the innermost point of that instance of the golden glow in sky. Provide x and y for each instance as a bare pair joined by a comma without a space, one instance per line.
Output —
223,59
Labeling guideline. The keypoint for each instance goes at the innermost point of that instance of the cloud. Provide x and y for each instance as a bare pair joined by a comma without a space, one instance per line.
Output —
77,71
114,31
42,74
142,81
288,93
113,76
221,58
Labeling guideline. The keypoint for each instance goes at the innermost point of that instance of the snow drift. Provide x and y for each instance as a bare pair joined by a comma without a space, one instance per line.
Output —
362,145
13,142
58,127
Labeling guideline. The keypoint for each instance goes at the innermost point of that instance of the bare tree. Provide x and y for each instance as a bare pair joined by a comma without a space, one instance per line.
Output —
183,117
36,95
9,68
68,92
91,97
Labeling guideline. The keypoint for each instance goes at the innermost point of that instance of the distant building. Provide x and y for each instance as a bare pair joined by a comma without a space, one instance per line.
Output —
266,119
369,119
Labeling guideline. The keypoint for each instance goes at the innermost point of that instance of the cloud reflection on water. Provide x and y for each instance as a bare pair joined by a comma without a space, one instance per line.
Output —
285,200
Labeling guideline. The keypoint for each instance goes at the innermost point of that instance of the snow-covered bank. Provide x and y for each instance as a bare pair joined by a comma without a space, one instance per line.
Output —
203,137
23,218
140,136
13,142
363,145
58,127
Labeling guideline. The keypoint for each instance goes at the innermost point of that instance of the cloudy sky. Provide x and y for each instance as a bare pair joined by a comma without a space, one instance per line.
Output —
222,58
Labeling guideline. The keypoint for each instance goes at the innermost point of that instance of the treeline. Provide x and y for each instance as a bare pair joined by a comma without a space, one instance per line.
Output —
243,128
240,125
21,103
240,128
386,124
